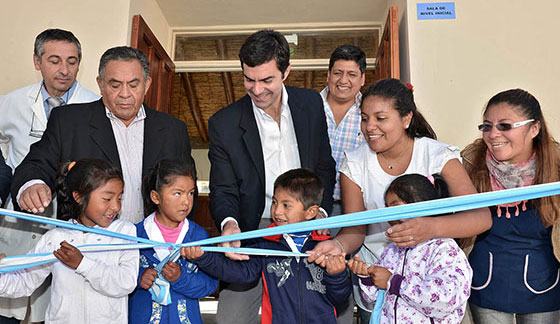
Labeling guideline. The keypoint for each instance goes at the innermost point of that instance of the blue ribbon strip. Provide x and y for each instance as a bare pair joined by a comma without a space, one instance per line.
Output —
375,317
79,227
18,262
427,208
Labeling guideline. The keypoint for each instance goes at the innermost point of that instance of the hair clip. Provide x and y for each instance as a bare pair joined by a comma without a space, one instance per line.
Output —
410,86
71,165
431,178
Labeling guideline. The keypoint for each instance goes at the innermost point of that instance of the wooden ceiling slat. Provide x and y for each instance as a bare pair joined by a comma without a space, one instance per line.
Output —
200,123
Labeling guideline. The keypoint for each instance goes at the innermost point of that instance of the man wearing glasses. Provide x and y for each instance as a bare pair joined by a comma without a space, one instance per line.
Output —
24,111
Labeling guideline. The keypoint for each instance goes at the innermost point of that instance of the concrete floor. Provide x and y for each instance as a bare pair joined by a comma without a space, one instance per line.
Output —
208,307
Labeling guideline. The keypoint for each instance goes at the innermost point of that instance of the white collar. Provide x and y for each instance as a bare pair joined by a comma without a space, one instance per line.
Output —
154,234
141,115
283,107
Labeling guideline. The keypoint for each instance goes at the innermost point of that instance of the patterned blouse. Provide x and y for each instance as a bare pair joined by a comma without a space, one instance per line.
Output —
431,283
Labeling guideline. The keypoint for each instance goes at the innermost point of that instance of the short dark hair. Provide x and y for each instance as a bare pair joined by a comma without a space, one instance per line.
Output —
349,53
124,53
414,187
55,35
302,184
161,175
264,46
84,177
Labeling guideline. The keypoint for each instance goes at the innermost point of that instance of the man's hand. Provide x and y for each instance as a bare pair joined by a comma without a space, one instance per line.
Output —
148,278
191,252
171,271
231,228
335,264
320,252
35,198
69,255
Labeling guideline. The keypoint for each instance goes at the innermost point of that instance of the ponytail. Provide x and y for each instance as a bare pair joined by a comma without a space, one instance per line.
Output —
65,200
414,187
440,185
81,177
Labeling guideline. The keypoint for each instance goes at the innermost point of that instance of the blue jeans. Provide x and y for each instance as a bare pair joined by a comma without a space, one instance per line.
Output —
489,316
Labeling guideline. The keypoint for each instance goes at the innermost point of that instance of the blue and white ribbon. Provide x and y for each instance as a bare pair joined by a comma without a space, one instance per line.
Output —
427,208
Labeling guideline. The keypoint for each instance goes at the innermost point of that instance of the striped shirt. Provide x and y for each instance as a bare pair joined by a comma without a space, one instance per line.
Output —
130,145
346,136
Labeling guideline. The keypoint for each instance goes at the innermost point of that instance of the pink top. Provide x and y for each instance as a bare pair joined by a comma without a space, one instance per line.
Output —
169,234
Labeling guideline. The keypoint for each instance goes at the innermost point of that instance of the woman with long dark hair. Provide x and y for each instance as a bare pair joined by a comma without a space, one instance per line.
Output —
515,270
398,141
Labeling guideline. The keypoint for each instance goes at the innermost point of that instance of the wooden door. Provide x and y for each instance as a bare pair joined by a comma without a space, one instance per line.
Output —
387,63
162,68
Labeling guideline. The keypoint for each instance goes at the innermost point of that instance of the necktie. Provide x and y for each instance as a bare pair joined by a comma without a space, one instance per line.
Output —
53,102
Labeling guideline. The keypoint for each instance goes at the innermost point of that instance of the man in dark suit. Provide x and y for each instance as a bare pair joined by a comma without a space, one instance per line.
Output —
5,180
269,131
117,128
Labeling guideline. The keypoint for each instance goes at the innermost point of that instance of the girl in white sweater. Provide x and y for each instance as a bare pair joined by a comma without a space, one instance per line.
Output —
91,287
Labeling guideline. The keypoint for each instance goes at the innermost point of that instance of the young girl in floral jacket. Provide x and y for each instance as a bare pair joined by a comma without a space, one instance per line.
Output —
427,283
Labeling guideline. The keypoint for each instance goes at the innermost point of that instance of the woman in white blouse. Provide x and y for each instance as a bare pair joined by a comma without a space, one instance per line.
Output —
398,141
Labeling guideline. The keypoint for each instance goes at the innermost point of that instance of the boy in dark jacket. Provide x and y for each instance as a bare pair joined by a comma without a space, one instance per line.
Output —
294,291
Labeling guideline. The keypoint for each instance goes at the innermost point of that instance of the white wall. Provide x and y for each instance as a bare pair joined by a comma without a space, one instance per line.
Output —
98,25
457,65
152,14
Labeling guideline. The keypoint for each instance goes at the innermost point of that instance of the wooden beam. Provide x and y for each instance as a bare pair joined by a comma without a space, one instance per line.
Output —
226,76
308,75
308,80
228,87
188,85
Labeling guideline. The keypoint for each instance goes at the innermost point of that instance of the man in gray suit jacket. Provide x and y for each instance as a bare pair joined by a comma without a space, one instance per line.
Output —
269,131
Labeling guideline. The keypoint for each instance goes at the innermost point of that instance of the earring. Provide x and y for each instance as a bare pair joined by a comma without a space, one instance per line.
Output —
406,127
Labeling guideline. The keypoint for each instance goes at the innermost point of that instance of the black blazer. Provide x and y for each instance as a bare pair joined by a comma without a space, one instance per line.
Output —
84,131
5,180
237,187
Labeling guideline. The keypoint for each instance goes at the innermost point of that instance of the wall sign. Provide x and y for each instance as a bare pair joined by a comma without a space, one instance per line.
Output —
435,10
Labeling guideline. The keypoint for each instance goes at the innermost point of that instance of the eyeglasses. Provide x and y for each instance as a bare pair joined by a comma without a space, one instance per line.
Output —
34,132
503,127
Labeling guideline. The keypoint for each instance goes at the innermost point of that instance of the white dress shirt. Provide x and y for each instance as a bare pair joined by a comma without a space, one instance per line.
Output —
130,145
279,146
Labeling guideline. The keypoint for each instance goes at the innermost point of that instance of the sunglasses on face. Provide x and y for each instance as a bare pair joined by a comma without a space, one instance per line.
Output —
503,127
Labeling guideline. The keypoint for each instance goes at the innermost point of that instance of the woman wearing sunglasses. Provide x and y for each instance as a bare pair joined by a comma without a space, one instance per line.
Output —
516,273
